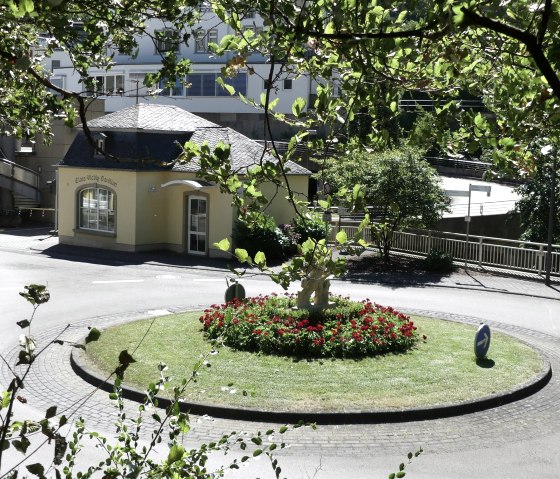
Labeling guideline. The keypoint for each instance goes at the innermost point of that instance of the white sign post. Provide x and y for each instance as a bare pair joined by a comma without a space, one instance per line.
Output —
484,188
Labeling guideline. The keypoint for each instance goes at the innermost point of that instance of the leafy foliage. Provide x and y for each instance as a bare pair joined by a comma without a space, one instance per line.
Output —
127,454
273,325
310,225
534,206
262,235
398,186
438,261
31,31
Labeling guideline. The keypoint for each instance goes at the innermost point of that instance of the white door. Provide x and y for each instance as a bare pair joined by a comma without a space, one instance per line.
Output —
197,224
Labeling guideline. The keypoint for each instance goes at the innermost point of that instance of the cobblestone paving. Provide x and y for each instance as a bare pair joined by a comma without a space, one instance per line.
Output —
52,381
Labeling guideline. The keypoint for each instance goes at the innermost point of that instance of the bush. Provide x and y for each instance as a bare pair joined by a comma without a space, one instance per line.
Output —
262,236
271,325
438,261
310,225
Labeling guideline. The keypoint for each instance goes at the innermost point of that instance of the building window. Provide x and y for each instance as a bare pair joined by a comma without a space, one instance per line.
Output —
108,85
287,84
203,38
178,89
136,85
58,80
204,84
166,41
96,209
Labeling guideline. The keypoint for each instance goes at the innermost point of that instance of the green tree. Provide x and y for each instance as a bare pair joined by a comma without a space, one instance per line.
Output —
400,188
534,206
90,32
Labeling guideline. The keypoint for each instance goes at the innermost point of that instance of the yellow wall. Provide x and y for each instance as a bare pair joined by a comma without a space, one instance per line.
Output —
280,209
149,216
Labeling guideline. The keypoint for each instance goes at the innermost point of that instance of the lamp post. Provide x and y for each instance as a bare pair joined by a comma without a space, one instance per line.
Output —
483,188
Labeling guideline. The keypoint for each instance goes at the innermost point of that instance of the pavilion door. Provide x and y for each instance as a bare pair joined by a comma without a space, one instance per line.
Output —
197,224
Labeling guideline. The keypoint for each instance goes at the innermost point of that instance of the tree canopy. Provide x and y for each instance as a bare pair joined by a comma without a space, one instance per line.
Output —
364,56
399,188
372,53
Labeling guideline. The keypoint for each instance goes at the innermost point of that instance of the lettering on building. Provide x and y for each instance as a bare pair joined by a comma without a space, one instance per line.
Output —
96,179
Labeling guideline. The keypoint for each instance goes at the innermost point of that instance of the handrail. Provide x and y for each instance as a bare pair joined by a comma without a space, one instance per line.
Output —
503,253
19,173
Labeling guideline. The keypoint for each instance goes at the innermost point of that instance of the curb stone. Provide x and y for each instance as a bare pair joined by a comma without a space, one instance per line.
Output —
385,416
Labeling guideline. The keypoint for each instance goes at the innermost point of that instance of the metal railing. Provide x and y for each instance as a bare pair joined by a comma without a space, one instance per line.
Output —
480,250
19,173
477,168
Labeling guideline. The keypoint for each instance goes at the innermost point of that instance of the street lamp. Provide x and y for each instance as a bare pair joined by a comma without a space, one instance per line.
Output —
483,188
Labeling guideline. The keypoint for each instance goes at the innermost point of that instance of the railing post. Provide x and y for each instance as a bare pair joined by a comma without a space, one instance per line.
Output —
480,251
429,242
540,260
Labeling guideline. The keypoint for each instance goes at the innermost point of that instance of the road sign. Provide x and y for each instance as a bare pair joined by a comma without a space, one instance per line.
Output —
484,188
235,290
482,341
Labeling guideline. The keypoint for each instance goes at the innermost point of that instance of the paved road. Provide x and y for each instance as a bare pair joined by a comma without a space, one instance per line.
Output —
521,439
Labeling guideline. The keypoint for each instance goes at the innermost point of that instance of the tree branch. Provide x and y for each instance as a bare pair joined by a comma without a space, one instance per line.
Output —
530,41
415,33
544,21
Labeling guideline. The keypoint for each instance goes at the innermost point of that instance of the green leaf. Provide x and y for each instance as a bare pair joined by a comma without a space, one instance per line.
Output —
22,444
298,106
176,453
341,237
51,412
28,5
23,324
257,452
260,258
223,245
6,396
324,204
36,469
241,255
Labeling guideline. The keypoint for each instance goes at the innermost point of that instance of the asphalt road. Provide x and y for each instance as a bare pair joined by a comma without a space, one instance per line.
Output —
83,290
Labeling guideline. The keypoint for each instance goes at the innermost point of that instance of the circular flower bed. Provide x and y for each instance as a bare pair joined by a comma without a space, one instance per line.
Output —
272,325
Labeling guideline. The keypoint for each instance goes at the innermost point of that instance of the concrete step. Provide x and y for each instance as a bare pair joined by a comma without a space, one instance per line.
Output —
23,202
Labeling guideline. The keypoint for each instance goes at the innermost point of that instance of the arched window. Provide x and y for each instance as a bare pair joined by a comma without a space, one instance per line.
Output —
96,209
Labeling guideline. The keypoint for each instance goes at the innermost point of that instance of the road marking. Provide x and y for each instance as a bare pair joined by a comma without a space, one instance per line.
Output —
207,280
168,276
158,312
119,281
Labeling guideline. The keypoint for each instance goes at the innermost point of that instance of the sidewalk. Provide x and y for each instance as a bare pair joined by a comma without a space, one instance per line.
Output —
39,240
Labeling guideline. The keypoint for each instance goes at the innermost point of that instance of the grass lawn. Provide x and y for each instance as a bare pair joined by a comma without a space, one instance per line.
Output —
440,370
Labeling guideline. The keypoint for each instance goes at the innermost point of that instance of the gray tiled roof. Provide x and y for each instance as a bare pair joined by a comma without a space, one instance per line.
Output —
157,129
151,117
244,151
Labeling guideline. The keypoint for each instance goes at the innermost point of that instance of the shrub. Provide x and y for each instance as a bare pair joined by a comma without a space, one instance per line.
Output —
263,236
438,261
271,325
310,225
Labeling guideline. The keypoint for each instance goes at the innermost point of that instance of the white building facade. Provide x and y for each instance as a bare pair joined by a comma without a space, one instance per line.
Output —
123,85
